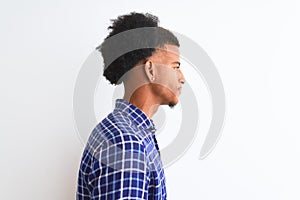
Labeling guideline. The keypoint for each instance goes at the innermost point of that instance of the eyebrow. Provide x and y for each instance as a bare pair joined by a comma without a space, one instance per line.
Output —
177,62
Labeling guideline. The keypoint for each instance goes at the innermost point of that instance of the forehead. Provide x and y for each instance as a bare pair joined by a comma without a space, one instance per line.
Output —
172,49
168,52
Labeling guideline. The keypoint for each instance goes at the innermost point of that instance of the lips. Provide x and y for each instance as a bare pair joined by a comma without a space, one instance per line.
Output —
179,90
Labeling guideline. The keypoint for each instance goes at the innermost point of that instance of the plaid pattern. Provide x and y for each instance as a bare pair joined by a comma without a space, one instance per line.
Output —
121,159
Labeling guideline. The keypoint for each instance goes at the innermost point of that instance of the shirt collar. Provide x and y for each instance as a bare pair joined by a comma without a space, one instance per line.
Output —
136,115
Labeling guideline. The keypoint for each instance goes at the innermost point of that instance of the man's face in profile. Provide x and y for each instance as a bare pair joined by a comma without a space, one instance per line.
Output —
169,78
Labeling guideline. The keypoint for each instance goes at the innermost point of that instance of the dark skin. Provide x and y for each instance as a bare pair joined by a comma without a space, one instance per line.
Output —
157,81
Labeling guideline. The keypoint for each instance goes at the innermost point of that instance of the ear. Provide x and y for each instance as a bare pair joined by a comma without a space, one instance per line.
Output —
150,70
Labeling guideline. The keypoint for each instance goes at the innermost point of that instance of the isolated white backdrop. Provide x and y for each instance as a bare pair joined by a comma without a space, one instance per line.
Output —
254,44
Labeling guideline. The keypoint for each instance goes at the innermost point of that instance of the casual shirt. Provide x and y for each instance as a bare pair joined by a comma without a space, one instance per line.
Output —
121,159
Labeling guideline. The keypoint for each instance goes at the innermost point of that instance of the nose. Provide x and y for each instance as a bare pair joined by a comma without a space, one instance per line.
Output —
181,77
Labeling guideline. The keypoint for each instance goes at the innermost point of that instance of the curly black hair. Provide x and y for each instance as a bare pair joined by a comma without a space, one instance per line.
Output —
156,37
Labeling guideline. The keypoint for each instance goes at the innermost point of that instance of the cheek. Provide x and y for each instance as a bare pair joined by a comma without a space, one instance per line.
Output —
172,82
168,78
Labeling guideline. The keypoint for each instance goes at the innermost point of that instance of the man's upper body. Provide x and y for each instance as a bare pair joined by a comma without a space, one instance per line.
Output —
121,159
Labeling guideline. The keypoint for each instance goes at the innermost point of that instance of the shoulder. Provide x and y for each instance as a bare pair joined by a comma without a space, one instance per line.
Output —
115,130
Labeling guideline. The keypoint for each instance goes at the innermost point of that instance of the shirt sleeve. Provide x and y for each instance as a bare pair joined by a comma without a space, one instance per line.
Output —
120,170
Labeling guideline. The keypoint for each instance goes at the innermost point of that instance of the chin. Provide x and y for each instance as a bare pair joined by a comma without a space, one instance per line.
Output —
173,103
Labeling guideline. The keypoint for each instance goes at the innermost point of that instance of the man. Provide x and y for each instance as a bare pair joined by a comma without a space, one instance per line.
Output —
121,159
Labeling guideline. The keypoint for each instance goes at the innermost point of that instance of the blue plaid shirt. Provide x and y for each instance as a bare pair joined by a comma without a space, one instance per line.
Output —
121,159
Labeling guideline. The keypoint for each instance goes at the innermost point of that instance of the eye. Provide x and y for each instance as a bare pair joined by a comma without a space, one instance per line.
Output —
176,65
176,68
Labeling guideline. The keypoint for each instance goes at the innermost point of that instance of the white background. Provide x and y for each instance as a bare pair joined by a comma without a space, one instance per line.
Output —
255,46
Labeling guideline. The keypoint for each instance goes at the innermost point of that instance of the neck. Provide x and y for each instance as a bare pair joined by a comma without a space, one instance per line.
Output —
144,100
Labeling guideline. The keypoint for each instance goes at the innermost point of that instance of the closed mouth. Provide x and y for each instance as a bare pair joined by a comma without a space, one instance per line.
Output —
179,90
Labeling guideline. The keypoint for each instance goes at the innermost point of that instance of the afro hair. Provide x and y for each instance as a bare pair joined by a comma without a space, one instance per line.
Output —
114,69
